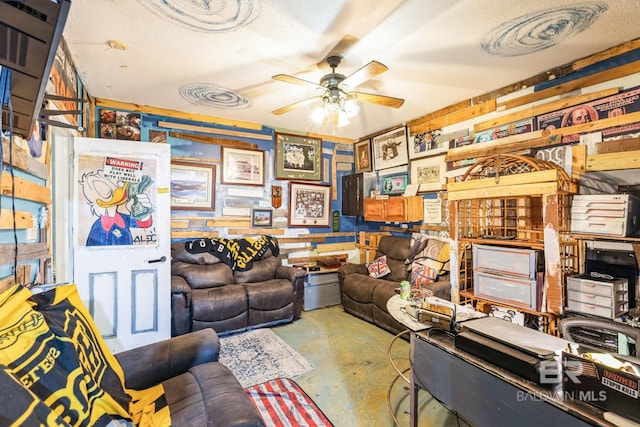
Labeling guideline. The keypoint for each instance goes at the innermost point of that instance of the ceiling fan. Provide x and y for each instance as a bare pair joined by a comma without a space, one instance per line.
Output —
337,87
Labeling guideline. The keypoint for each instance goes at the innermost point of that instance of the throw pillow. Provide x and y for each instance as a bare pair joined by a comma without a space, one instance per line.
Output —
379,267
418,243
422,276
436,254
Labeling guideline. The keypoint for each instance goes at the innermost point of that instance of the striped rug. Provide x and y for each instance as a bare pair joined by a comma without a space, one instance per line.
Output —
282,403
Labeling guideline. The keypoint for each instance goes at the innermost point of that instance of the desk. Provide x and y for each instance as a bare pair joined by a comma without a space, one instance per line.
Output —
484,394
481,393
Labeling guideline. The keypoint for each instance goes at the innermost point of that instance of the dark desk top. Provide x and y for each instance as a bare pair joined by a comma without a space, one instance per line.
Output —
582,410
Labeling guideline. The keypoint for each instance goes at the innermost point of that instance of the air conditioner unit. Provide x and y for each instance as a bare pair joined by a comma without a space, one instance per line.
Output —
30,32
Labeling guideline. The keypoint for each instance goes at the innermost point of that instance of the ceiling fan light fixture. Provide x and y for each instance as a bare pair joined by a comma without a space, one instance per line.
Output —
335,111
351,108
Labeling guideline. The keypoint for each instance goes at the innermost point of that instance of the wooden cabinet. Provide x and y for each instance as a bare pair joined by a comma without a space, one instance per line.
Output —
518,202
355,188
394,209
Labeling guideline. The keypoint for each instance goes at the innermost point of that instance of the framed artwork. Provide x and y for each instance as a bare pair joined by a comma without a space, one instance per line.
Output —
298,157
394,184
242,166
261,218
362,156
193,186
429,173
427,144
309,205
390,149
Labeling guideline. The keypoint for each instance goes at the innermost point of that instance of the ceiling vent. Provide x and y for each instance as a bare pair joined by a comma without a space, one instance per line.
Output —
30,32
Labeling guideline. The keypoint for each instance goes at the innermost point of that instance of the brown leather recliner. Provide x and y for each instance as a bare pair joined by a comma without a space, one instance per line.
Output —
207,293
199,390
366,297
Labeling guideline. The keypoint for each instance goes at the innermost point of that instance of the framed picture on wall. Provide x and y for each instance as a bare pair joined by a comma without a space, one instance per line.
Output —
390,149
309,205
362,156
242,166
427,144
298,157
193,186
394,184
429,173
261,218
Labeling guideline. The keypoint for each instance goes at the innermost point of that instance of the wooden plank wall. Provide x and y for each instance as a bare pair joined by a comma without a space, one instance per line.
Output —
23,256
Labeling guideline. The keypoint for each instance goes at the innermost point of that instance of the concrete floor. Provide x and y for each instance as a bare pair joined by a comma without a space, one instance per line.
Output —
352,373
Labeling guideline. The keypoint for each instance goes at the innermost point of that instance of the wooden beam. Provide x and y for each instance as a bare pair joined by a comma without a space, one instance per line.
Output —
590,80
543,108
300,239
456,117
553,73
336,234
508,144
255,231
291,250
24,219
222,222
213,131
24,189
578,161
213,140
607,54
502,192
332,247
613,161
439,113
598,124
194,234
26,252
180,224
118,105
616,145
504,181
534,139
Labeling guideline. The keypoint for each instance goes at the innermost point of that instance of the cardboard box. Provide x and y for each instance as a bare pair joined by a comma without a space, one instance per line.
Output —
612,390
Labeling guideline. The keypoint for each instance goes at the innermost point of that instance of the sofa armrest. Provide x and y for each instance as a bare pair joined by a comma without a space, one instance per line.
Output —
347,269
154,363
288,272
296,277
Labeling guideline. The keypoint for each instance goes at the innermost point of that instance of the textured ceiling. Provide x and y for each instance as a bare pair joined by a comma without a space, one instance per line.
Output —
217,57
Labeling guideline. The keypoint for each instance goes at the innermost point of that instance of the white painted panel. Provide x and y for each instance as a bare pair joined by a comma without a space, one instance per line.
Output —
103,306
144,315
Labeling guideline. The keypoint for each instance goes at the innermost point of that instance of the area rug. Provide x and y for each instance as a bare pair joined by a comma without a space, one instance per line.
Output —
258,356
282,403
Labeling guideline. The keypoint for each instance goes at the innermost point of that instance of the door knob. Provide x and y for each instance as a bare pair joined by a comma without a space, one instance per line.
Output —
161,259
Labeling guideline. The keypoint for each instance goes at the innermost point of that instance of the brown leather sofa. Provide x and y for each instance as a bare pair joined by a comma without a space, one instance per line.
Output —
366,297
207,293
199,390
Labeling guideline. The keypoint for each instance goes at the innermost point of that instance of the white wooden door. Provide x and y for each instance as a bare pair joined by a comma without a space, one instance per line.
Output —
121,238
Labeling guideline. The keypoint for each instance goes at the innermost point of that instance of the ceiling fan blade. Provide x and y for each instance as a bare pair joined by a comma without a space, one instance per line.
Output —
372,69
385,101
296,105
296,81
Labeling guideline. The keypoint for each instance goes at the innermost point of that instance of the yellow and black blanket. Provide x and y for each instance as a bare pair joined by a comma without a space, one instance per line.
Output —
56,370
239,254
